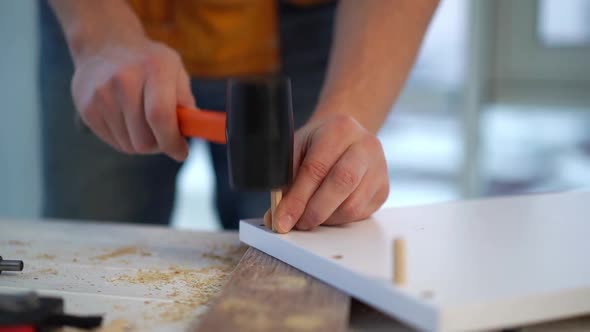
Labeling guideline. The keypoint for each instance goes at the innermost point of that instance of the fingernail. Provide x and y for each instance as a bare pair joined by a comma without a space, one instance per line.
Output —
284,223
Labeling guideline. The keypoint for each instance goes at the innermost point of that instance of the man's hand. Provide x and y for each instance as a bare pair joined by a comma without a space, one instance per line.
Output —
340,175
127,95
126,87
340,171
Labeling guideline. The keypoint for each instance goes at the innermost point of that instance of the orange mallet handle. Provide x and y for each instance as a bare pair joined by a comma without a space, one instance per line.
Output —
209,125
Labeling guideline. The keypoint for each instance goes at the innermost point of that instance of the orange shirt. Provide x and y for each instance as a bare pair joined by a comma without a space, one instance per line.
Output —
218,38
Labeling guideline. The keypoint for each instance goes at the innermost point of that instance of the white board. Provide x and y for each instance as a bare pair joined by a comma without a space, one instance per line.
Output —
471,265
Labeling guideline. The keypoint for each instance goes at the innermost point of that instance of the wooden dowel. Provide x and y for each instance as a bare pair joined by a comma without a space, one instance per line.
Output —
399,261
275,198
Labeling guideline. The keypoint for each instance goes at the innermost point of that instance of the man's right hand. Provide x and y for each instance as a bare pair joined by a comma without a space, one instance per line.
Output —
128,94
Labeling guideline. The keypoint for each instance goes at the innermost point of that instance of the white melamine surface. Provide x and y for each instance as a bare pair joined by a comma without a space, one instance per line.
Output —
470,265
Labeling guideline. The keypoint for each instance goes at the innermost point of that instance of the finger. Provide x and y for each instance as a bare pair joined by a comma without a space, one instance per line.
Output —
376,202
324,149
113,117
160,108
94,120
355,206
366,199
343,179
129,94
184,95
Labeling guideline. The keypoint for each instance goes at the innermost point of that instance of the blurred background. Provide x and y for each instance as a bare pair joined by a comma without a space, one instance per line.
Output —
497,104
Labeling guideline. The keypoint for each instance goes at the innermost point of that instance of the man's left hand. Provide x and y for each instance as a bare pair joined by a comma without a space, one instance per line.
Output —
340,175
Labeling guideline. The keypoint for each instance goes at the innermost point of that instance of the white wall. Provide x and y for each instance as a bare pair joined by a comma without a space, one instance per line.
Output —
20,187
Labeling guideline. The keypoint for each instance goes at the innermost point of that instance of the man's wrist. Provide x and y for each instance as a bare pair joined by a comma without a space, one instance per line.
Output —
334,105
90,26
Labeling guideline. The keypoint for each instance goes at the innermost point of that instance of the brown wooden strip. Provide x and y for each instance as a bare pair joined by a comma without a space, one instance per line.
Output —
265,294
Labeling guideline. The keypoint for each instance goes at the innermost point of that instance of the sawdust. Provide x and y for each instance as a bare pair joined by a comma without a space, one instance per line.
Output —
186,289
216,257
227,254
119,307
123,251
48,271
45,256
302,322
117,325
191,288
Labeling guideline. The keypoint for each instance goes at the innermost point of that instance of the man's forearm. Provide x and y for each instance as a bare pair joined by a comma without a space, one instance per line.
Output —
89,25
375,45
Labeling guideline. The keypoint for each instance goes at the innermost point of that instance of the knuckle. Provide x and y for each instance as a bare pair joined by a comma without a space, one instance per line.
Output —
382,194
124,146
372,142
144,146
344,177
155,114
175,58
312,218
101,94
89,115
125,77
160,59
315,170
345,123
152,61
352,210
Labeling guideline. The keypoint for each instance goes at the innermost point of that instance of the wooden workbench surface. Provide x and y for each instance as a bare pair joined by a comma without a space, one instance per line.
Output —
140,277
143,277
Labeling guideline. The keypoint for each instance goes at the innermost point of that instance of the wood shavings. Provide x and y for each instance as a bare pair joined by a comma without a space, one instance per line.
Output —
216,257
229,254
45,256
186,292
116,325
191,288
119,307
123,251
48,271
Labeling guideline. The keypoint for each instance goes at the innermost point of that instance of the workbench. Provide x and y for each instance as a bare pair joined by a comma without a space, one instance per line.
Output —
144,278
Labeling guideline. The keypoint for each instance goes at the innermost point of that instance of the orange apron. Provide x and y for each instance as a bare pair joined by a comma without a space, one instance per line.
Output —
218,38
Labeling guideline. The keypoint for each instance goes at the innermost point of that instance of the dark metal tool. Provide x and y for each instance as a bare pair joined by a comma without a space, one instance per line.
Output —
260,136
259,133
10,265
258,129
33,312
